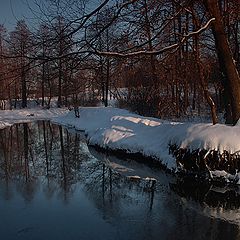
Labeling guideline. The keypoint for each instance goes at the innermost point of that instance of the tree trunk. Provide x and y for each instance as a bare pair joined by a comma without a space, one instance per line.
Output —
43,83
59,102
24,88
226,61
107,83
207,94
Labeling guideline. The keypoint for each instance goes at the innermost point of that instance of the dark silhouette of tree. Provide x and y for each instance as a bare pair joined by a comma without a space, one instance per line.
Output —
20,47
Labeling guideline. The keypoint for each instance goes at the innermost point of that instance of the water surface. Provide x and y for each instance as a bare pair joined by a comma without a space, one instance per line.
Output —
52,186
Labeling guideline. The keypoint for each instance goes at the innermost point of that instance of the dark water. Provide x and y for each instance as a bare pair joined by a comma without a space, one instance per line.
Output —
53,187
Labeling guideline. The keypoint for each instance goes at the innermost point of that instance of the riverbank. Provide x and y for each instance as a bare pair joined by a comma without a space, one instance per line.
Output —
170,143
120,130
10,117
48,170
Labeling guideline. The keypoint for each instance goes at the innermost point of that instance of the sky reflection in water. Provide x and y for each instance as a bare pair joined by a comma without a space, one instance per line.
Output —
52,187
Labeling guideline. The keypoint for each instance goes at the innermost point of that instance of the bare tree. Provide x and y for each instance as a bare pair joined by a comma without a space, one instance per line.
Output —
226,60
20,45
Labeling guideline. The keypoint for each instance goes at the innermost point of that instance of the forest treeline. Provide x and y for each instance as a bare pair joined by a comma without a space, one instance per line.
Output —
162,58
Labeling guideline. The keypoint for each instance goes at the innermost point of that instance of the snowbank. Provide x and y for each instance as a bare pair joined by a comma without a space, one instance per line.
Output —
119,129
9,117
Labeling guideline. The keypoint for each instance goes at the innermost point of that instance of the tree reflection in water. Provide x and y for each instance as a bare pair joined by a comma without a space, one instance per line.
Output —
43,153
30,153
212,195
43,158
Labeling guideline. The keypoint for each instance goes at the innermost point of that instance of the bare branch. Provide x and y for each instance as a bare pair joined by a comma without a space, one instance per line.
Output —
157,52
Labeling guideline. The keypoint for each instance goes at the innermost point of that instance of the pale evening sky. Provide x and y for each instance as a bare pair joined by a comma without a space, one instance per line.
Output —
13,10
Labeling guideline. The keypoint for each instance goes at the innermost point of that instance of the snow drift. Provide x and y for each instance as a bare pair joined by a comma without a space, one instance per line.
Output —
118,129
10,117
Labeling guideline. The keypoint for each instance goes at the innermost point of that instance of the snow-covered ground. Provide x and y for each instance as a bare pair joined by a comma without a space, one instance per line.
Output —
9,117
119,129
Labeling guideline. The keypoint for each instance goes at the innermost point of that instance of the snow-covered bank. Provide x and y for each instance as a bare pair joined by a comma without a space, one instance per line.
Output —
9,117
119,129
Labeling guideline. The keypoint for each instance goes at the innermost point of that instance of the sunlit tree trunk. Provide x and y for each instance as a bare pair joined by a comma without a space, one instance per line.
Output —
226,61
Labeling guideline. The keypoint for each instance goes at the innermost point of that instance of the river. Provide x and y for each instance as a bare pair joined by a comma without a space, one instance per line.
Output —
53,186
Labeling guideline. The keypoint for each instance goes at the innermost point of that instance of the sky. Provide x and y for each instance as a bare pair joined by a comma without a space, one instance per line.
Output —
13,10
